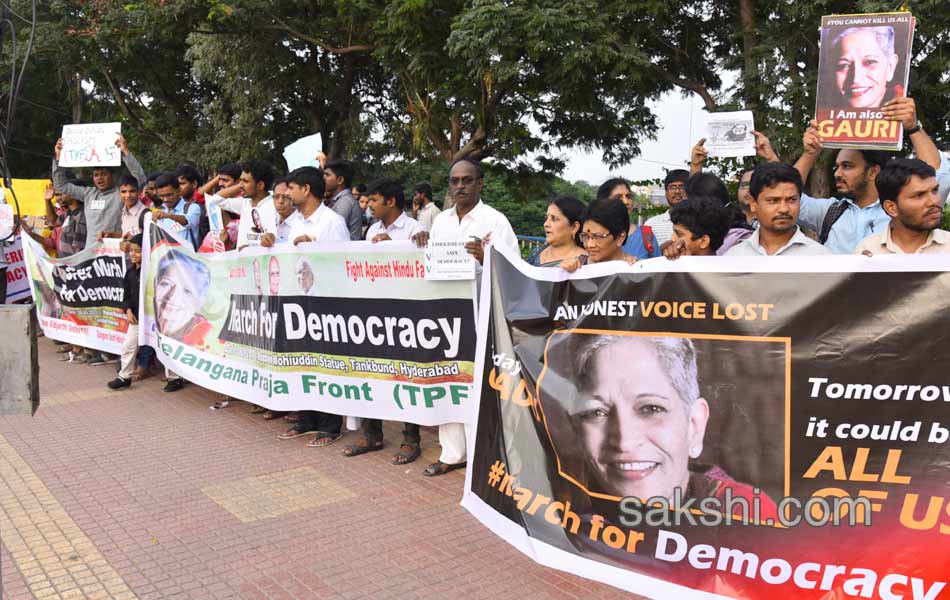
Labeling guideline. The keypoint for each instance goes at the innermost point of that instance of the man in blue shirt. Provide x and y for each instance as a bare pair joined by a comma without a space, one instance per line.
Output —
843,222
179,216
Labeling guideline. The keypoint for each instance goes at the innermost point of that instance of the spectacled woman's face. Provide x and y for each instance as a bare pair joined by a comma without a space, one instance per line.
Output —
600,244
634,427
176,300
863,70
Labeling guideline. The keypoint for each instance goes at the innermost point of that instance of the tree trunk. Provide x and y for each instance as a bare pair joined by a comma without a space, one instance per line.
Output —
75,96
750,71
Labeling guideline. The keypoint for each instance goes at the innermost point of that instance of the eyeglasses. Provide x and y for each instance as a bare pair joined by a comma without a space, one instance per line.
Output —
676,187
586,237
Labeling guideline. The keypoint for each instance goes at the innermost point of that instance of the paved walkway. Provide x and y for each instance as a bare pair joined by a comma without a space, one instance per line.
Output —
142,494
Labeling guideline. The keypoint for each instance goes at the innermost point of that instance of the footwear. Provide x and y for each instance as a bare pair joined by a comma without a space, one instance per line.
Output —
102,359
68,357
441,468
174,385
292,433
258,410
273,414
221,404
362,446
81,358
407,454
63,348
324,439
292,417
118,383
108,359
139,374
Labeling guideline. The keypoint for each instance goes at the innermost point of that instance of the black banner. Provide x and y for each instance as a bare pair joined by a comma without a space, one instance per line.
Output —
92,283
607,401
411,330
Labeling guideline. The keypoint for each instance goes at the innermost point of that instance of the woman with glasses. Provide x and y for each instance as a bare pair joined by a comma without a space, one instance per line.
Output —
641,241
562,229
604,235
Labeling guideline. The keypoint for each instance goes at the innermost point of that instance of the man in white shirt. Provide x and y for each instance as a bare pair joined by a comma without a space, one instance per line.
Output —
776,190
313,222
388,203
428,211
675,187
472,220
255,203
910,195
284,207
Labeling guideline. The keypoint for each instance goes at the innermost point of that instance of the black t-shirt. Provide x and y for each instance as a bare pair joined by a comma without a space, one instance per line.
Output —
130,283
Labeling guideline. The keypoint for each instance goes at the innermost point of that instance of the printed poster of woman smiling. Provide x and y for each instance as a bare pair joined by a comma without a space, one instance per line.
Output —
864,63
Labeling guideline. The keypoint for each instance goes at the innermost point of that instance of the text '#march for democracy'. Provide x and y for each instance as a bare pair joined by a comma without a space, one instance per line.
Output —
79,298
351,329
808,396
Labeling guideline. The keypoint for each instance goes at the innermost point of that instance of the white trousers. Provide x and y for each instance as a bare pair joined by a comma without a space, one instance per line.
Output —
452,440
129,351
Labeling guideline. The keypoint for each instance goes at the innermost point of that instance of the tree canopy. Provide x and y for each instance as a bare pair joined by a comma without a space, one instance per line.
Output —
432,81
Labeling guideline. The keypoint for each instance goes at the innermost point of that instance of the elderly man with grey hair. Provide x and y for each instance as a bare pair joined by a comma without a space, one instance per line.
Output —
305,277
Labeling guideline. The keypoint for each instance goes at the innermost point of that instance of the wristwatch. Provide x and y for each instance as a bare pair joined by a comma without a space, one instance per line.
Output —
913,129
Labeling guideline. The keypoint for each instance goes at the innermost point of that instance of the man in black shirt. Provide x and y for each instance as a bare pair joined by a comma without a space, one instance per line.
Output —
130,302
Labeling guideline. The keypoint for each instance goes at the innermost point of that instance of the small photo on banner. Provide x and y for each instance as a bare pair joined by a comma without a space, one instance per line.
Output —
864,62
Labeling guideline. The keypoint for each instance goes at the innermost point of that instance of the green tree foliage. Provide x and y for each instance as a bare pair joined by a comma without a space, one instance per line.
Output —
433,80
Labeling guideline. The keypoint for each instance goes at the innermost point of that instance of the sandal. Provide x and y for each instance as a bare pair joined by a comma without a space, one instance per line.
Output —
292,433
441,468
220,404
362,447
407,454
258,410
324,439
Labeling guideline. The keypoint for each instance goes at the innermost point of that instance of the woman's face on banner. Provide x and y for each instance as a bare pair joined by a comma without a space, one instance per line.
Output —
176,299
863,70
636,430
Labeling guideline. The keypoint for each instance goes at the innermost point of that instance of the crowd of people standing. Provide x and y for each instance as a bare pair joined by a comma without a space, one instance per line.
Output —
884,205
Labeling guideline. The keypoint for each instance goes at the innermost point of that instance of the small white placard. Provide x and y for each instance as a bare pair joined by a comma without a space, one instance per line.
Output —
448,260
729,134
303,152
91,145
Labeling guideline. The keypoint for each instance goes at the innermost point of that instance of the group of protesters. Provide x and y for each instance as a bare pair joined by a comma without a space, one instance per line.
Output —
884,205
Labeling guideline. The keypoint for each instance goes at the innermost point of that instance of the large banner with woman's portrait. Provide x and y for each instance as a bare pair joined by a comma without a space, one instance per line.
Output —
768,427
79,298
348,328
864,63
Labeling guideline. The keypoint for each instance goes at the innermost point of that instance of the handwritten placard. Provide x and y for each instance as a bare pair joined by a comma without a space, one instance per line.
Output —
91,145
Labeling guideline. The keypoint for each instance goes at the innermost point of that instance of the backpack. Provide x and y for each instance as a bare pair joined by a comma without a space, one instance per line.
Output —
647,235
831,217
